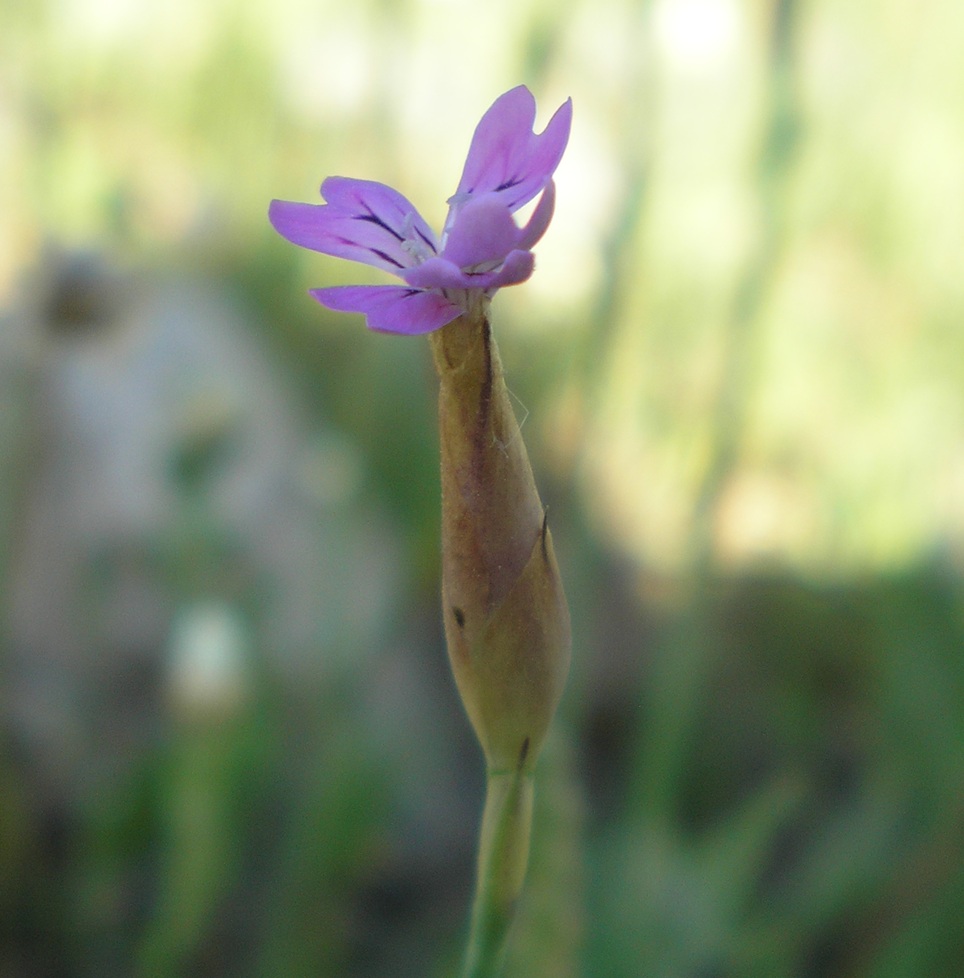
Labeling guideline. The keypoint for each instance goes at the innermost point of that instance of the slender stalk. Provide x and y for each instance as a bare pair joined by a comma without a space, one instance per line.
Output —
503,856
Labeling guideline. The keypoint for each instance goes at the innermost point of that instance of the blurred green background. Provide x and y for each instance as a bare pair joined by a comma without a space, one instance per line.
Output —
229,742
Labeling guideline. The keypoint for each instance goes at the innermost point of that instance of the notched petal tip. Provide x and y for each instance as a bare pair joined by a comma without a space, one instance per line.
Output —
506,156
361,221
292,219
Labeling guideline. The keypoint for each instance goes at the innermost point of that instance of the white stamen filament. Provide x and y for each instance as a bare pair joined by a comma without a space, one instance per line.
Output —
413,245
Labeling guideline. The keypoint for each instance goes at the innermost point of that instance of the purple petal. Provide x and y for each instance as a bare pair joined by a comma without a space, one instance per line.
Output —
507,157
540,218
382,206
363,221
516,268
438,273
483,232
391,308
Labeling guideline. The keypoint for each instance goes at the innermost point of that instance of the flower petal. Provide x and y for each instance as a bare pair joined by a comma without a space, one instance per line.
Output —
363,221
541,216
380,205
507,157
516,268
483,232
438,273
391,308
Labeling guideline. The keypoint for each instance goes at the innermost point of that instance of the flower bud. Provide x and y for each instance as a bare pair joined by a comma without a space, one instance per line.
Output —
506,618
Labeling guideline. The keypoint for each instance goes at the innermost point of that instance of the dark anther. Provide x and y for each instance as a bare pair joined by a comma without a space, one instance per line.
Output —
544,534
459,615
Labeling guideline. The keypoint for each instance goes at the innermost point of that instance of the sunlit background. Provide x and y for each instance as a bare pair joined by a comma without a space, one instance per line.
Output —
230,745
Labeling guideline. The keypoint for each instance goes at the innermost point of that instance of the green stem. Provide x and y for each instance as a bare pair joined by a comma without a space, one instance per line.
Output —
503,855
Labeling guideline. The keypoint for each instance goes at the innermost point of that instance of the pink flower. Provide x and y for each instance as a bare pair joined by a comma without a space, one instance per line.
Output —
481,249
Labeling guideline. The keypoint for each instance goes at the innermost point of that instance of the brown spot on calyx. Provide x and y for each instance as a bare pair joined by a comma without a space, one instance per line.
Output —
459,615
485,391
523,753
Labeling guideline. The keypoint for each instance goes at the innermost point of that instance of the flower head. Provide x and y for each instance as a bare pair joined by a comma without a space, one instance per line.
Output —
481,248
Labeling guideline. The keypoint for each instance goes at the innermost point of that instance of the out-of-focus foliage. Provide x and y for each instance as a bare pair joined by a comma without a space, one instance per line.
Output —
229,745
